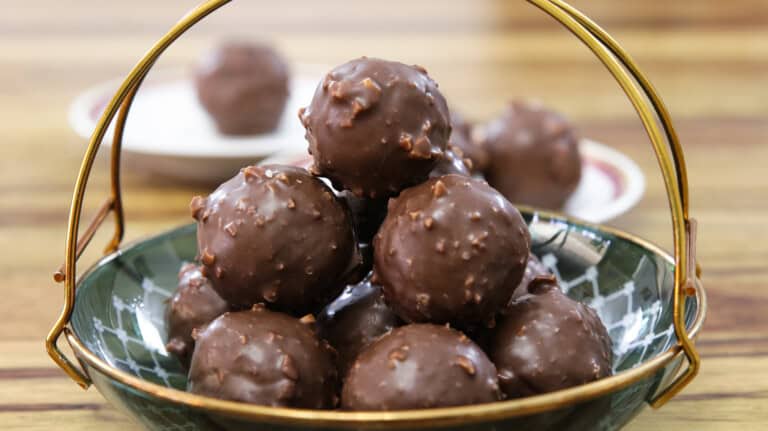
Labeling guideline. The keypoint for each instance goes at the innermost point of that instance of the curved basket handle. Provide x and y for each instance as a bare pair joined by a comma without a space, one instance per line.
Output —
669,154
635,85
74,248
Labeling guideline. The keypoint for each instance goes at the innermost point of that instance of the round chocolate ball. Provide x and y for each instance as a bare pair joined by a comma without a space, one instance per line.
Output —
375,126
534,156
193,304
451,163
420,366
474,155
354,320
549,342
275,234
367,214
263,357
244,87
448,251
534,268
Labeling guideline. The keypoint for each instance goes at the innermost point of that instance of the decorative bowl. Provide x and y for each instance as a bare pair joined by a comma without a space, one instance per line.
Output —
652,302
119,334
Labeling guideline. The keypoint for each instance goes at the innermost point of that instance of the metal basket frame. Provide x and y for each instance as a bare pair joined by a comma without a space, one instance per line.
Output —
641,93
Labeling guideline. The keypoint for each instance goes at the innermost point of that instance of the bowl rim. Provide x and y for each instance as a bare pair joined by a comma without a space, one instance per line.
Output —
405,418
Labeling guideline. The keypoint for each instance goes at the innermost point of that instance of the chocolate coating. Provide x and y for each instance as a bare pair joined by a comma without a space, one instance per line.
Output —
533,269
420,366
354,320
367,214
549,342
275,234
448,251
534,156
451,163
193,305
475,156
375,127
244,86
263,357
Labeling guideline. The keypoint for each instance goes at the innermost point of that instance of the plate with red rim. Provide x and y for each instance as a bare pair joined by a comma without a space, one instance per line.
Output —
169,134
611,183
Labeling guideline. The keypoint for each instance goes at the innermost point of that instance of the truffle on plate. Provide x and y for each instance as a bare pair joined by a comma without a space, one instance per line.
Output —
534,156
244,87
420,366
549,342
263,357
375,126
448,251
275,234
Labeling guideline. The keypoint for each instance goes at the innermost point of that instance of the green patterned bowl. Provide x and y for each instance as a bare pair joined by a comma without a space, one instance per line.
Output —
119,335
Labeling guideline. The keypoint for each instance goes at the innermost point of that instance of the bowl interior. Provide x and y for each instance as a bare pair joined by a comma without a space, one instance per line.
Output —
120,303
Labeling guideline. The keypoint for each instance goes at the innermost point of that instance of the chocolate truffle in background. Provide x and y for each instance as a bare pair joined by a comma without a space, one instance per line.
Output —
375,126
420,366
244,87
367,214
534,156
451,163
549,342
533,269
354,320
448,251
475,156
275,234
263,357
193,304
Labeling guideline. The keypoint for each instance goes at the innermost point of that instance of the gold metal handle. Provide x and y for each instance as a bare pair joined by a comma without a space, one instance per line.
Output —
74,248
669,154
636,86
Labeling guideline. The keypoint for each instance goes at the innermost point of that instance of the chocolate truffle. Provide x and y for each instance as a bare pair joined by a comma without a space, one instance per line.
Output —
244,87
420,366
448,251
450,163
375,127
367,214
533,269
475,156
354,320
263,357
193,305
275,234
534,156
548,342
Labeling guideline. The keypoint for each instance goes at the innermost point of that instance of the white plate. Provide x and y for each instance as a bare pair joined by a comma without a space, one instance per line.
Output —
169,134
611,183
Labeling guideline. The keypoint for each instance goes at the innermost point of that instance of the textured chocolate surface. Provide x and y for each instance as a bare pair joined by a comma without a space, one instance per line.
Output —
263,357
275,234
451,163
534,156
354,320
549,342
420,366
533,269
244,86
448,251
367,214
375,127
193,305
465,147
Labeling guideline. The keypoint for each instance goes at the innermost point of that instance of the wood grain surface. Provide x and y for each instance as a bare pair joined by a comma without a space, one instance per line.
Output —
708,58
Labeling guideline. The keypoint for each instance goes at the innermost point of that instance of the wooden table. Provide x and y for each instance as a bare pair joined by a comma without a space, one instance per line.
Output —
709,58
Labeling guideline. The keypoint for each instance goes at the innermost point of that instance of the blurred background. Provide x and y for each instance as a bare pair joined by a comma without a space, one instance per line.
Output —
708,59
